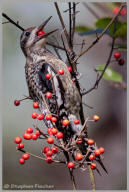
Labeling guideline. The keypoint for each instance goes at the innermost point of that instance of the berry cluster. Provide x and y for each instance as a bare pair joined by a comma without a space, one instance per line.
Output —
54,138
117,56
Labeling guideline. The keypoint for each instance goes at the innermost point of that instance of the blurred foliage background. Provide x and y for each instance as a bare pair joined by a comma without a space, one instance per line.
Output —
107,101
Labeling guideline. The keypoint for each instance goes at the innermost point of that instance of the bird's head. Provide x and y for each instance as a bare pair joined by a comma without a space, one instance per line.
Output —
34,37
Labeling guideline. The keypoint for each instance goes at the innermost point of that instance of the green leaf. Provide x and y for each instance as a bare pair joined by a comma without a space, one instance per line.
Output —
122,31
110,74
120,47
82,28
103,22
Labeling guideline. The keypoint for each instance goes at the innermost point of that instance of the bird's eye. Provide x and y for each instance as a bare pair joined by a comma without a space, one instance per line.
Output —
27,33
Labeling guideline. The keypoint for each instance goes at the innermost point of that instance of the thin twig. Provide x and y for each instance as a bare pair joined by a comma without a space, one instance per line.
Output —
39,157
82,44
71,8
62,22
70,25
13,22
91,10
74,20
103,71
92,178
56,46
5,22
101,35
56,50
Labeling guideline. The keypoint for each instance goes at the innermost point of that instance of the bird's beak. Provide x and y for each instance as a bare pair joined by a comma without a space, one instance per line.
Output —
41,27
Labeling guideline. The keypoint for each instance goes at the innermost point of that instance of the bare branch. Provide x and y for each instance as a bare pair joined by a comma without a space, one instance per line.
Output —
100,36
91,10
62,22
13,22
74,19
71,8
55,46
108,62
70,25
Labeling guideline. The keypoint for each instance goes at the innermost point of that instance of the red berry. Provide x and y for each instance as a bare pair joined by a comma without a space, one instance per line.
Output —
71,165
123,11
116,9
49,160
25,156
90,141
55,150
27,136
54,131
50,140
54,119
92,157
96,118
34,115
17,140
101,149
40,117
34,136
121,61
76,122
37,132
16,102
97,152
65,122
29,130
117,55
79,141
20,146
70,69
35,105
48,95
45,149
93,166
79,156
60,71
21,161
40,33
49,153
49,131
48,76
48,117
59,135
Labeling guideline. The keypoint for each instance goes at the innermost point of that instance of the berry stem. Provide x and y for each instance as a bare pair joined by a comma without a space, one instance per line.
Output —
36,156
26,97
92,178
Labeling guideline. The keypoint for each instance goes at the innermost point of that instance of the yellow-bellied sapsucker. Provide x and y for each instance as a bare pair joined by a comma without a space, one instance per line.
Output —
65,100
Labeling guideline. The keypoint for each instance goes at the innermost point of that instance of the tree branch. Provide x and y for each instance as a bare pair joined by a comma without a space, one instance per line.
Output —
91,10
55,46
13,22
107,63
62,22
101,35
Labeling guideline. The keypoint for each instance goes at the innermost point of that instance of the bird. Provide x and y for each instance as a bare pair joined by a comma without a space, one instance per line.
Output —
66,99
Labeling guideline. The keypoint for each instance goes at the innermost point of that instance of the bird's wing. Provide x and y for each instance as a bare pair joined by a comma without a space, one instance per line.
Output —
53,85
